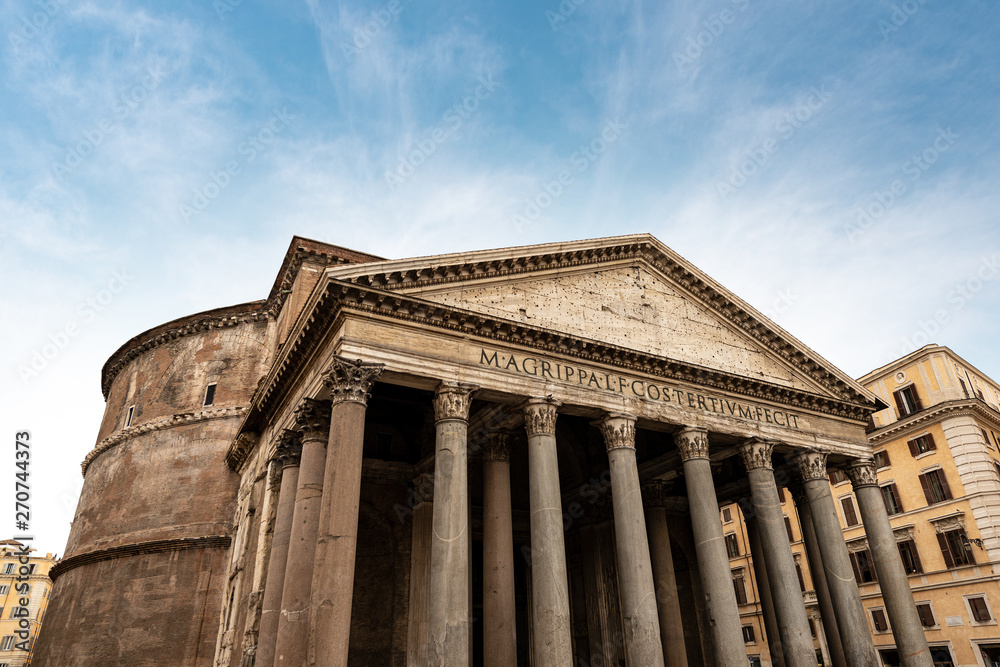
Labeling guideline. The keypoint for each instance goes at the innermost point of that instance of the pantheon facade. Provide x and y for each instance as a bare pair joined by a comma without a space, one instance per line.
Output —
504,457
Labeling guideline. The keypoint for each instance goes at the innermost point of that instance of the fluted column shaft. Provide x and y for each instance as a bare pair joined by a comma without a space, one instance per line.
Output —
793,624
291,647
764,589
288,456
668,607
859,650
818,573
499,623
551,631
713,561
333,575
635,573
892,579
449,612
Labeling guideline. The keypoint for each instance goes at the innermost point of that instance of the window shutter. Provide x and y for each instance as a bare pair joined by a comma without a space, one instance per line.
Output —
949,562
916,398
913,447
944,484
969,553
850,517
925,485
895,496
900,409
788,528
918,568
931,445
857,570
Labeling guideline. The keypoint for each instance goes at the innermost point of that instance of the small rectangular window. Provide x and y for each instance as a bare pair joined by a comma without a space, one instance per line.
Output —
837,476
908,554
4,590
879,621
7,643
732,546
882,459
935,486
891,497
864,570
749,636
802,581
727,515
128,416
8,568
921,445
850,516
739,585
955,548
907,401
788,529
209,395
926,615
980,612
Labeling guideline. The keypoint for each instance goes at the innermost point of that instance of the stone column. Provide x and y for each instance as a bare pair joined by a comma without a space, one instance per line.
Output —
859,650
287,456
668,607
635,573
713,561
549,582
422,535
333,572
824,647
450,573
818,573
892,579
291,647
763,585
790,610
499,623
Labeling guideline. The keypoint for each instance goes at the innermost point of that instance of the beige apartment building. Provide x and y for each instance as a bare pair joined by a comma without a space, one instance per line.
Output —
19,624
937,455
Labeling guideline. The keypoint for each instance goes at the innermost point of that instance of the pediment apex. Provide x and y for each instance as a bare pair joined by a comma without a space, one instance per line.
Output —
427,276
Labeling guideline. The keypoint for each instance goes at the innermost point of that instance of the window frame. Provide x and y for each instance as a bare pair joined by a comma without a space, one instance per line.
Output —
930,608
986,604
907,400
872,611
209,398
753,634
894,491
912,549
885,454
937,474
854,511
731,541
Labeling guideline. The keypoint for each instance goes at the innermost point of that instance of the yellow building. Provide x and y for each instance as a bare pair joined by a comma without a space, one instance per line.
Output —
24,596
937,452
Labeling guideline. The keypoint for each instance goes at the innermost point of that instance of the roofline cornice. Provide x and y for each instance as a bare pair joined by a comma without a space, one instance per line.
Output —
971,407
402,275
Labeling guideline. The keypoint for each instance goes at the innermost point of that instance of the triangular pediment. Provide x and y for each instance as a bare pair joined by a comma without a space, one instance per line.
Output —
630,292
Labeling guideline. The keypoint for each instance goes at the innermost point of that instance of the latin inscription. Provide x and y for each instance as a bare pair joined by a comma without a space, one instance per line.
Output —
601,381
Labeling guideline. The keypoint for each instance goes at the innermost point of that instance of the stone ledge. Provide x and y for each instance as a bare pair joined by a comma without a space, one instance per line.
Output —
142,548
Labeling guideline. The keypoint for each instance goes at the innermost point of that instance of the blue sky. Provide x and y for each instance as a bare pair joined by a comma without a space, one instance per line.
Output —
833,163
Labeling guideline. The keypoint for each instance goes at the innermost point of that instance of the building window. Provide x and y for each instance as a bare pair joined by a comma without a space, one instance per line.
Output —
7,643
732,547
935,486
891,497
926,615
837,476
798,571
907,401
955,548
749,637
788,529
978,609
922,445
739,585
209,395
4,589
13,610
908,554
879,621
128,416
727,515
965,389
754,661
8,568
850,516
882,459
864,569
986,437
781,494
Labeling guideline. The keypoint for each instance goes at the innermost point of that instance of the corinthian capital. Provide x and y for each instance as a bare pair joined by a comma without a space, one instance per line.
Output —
288,448
756,454
618,430
452,401
692,443
540,416
862,473
313,419
497,446
812,465
351,380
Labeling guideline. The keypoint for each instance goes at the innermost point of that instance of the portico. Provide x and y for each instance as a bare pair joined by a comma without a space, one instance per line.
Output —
580,442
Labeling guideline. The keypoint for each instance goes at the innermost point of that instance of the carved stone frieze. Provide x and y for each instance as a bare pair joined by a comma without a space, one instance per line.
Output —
862,473
692,443
903,534
949,523
540,416
496,446
312,416
756,454
351,380
452,401
618,430
854,546
812,465
288,448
